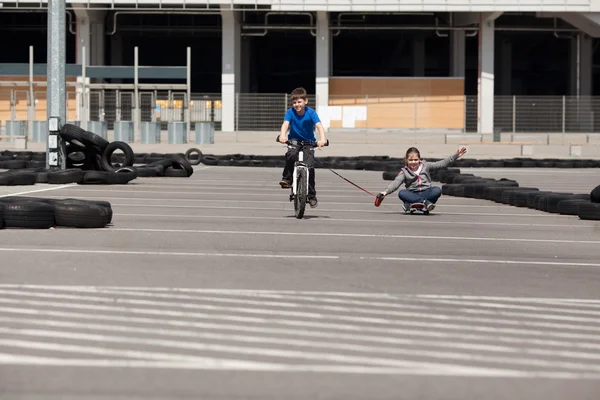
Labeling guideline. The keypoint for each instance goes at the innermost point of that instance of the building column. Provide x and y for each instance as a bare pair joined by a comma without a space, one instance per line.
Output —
323,47
581,83
580,69
90,33
230,69
246,61
485,123
506,68
418,56
457,54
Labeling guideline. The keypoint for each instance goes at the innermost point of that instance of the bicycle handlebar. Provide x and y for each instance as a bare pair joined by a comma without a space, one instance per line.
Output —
305,143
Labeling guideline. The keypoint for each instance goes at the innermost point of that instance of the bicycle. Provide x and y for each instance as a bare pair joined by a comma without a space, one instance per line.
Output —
301,174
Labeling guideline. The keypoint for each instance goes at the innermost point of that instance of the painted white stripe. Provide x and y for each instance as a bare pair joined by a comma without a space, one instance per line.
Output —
442,351
387,222
429,306
356,235
496,306
470,297
477,261
246,351
52,187
442,339
263,292
119,353
335,317
308,324
159,253
10,359
295,256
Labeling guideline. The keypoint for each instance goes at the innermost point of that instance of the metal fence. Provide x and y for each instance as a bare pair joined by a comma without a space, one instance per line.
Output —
264,112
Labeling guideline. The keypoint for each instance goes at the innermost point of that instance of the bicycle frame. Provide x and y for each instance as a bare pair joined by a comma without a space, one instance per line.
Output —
301,168
300,164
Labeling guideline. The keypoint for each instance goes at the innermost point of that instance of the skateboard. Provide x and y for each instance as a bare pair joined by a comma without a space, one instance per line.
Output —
418,207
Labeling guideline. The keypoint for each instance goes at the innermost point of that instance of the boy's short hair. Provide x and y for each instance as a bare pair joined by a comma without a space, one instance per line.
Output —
299,93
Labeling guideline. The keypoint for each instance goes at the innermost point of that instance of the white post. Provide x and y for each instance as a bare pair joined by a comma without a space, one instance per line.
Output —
323,38
230,76
188,82
486,74
136,100
31,105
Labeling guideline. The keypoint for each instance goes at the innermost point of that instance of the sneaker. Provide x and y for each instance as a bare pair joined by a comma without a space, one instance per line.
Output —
406,206
313,202
285,183
429,206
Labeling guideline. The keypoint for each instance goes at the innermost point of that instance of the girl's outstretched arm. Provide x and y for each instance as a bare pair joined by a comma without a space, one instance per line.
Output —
447,161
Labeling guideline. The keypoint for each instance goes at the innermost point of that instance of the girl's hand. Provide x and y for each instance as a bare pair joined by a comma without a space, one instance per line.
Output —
461,152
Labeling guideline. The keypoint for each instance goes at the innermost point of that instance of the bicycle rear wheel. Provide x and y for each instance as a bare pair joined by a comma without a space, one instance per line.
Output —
301,193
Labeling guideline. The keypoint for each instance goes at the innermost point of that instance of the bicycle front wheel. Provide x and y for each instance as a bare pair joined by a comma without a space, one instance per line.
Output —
301,192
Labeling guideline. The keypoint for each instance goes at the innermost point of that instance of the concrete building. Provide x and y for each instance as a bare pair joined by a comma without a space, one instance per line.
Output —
94,25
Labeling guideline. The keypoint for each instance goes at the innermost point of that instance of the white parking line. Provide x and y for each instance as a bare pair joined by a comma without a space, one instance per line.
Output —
52,187
236,217
350,235
410,260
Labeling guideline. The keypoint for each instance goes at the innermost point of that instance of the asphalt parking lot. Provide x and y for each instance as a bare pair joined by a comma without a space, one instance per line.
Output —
208,287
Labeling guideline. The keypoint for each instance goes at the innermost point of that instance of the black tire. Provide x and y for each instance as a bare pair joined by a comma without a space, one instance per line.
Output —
595,195
14,164
165,163
210,160
178,173
193,160
73,175
80,137
74,213
82,158
98,178
28,214
178,161
41,177
105,160
570,206
18,178
589,211
389,175
301,193
150,171
125,175
555,199
102,203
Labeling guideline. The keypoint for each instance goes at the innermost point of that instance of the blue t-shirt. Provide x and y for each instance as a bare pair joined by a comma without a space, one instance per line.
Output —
302,127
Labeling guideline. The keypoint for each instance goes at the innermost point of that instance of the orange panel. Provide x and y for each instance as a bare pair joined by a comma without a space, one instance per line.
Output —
335,124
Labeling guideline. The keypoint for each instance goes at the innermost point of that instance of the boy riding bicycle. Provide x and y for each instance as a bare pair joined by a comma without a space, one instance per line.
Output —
301,121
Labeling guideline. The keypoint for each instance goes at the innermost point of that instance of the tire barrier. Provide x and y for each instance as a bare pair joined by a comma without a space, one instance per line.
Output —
377,163
42,213
92,160
507,191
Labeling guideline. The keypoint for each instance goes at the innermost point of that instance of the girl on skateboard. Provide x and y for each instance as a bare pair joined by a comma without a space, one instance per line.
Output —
415,176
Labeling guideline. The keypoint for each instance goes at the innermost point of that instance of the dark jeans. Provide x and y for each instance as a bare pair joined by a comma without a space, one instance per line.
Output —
431,194
290,159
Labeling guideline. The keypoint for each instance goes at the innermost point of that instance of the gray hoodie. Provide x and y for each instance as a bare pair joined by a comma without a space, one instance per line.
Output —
421,181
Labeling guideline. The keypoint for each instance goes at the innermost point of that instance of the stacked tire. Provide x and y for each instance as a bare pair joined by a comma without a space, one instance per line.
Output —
41,213
507,191
91,152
